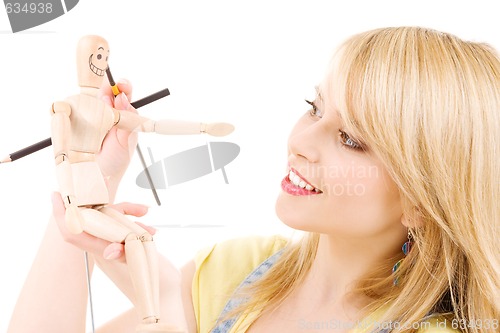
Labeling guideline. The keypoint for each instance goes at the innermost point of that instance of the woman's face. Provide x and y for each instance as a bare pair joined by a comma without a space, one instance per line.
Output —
334,185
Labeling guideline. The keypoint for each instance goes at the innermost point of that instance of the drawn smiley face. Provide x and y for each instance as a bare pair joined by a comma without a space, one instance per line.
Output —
92,60
98,61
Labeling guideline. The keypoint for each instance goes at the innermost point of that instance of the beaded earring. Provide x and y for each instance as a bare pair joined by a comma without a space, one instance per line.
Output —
406,249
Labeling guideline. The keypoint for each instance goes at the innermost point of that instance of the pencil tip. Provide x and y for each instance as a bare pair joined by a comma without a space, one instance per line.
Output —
6,160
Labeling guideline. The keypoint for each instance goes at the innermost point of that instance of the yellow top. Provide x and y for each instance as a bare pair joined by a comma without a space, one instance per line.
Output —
220,269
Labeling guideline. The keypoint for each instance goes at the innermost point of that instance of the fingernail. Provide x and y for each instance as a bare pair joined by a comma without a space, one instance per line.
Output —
124,98
113,255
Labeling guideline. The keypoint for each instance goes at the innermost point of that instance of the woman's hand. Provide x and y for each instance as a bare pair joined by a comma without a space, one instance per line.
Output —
111,259
97,246
118,146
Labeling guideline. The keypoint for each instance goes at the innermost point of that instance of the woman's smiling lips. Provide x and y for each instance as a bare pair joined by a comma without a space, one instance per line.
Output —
295,184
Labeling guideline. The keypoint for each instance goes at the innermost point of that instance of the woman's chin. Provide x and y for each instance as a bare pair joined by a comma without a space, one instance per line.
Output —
289,213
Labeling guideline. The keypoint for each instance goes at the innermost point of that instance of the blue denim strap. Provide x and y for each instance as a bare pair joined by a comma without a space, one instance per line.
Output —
226,325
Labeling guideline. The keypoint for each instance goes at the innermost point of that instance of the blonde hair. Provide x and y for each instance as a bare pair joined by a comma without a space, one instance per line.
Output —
427,104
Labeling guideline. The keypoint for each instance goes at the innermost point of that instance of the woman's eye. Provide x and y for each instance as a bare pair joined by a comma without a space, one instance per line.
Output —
315,112
348,142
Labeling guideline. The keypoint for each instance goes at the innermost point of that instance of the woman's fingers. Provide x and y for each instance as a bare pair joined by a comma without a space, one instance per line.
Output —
125,87
148,228
92,244
114,251
133,209
83,240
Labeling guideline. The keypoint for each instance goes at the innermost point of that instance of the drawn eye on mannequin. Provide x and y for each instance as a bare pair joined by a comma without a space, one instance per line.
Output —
99,66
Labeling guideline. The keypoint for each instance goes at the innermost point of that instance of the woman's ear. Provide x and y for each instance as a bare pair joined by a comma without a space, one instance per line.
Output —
412,218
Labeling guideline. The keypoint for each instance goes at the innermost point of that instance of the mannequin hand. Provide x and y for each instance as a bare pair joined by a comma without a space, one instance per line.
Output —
118,146
219,129
89,243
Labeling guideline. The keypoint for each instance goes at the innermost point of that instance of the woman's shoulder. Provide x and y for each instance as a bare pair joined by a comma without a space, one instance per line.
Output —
242,252
222,267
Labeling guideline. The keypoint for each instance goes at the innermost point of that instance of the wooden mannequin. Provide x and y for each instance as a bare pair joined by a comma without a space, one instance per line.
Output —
79,126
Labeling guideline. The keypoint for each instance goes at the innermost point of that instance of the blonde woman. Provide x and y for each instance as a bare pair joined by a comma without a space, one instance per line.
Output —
393,174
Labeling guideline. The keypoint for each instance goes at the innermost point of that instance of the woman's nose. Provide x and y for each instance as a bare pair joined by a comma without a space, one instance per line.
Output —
306,141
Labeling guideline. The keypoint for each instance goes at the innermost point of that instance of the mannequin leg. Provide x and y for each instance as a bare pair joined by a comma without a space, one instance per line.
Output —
150,253
106,227
139,273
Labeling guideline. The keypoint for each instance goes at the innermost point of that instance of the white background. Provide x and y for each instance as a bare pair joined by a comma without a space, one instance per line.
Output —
249,63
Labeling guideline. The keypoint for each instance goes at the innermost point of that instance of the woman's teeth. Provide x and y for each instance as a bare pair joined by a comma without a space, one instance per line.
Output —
297,181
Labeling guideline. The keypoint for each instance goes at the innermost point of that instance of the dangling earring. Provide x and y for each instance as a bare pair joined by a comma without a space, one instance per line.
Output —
406,249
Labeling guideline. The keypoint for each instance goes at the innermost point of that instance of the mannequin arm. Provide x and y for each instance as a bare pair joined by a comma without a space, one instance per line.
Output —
61,134
134,122
61,130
